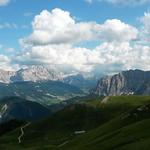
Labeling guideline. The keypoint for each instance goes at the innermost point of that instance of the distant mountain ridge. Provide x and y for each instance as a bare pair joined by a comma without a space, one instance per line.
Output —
132,82
42,73
43,84
32,73
37,73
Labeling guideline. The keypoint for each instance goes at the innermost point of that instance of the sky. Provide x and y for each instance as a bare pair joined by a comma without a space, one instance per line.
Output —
100,36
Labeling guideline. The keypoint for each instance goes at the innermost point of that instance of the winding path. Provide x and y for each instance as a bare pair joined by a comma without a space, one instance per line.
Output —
64,143
22,132
105,100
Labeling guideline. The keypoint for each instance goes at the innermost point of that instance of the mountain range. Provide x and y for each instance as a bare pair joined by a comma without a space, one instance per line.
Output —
47,85
43,84
43,73
41,109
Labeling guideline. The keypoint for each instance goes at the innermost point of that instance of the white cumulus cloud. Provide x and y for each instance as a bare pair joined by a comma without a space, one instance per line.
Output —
115,30
5,62
57,27
55,33
4,2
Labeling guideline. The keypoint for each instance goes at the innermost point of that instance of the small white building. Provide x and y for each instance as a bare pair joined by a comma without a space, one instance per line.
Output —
80,132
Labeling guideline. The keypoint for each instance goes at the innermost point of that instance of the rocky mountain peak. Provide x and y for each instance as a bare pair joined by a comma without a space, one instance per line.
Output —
37,73
124,83
6,75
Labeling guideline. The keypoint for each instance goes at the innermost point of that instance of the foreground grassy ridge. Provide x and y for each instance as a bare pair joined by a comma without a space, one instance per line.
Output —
116,105
56,129
120,131
114,101
121,124
133,136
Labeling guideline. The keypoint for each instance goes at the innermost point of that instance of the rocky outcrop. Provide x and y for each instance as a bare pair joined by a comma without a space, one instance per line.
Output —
5,76
125,83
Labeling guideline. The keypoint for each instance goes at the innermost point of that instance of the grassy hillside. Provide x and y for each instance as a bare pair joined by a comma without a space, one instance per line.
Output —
114,106
16,108
56,129
118,123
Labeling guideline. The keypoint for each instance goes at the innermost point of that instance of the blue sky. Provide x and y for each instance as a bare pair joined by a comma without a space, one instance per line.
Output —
17,15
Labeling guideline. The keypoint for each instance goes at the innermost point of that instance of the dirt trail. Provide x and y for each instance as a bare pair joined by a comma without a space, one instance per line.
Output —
105,100
64,143
22,132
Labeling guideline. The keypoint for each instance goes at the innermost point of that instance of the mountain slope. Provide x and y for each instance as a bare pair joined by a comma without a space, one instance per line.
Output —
47,93
125,83
104,128
14,108
55,130
127,131
81,82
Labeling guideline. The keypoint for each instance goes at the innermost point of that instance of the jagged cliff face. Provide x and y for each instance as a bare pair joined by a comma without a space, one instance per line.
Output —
37,73
33,73
125,83
5,76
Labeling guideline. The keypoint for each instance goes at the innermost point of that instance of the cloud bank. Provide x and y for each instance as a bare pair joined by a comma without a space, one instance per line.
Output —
56,37
56,34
